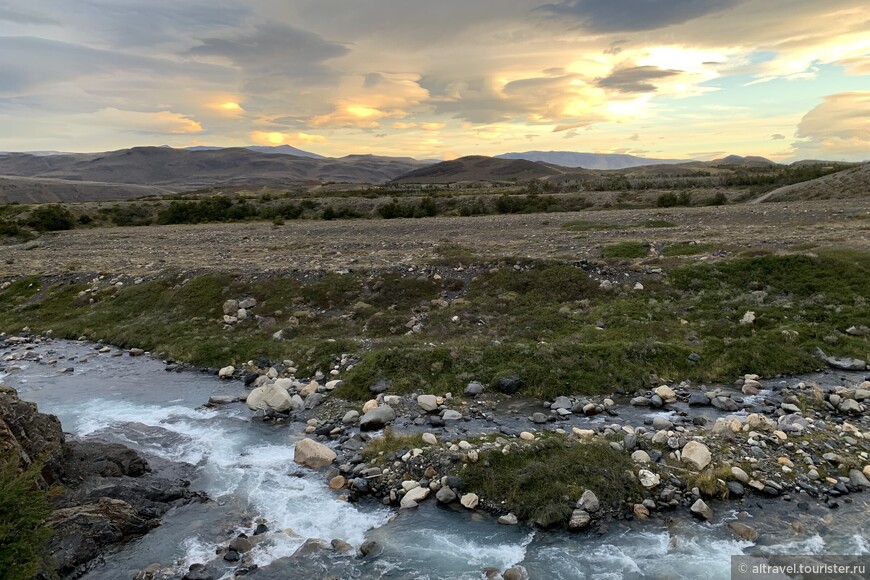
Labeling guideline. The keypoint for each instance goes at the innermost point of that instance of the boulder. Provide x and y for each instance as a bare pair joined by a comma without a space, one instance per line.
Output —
270,397
377,418
580,520
508,520
231,307
743,532
701,510
588,502
312,454
226,372
666,393
428,403
697,455
648,479
469,500
413,497
80,532
451,415
510,384
445,495
473,389
350,417
640,456
561,403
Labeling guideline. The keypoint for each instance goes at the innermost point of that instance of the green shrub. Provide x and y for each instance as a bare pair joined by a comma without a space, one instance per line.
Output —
23,509
50,218
625,250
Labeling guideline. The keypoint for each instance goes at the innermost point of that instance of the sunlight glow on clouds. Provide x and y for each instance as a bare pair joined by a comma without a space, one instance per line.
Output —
667,77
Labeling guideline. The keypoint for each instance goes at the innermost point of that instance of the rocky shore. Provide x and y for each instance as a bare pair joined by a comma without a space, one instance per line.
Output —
103,494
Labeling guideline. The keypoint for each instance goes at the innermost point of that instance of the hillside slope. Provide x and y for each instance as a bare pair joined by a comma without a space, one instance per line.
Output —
848,184
179,169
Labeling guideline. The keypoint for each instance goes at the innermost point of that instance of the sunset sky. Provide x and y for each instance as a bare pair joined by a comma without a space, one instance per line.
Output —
786,79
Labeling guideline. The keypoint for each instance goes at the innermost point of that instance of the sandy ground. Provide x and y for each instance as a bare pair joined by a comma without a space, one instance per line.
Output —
338,245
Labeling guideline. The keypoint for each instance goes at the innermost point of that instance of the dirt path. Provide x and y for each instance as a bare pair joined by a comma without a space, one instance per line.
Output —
336,245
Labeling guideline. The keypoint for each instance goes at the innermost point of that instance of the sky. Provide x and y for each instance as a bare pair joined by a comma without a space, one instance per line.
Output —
693,79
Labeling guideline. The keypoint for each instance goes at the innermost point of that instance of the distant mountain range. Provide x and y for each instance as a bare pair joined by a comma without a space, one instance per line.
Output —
589,160
276,150
167,170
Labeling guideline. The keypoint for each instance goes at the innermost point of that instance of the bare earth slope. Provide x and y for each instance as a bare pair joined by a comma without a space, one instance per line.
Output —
848,184
353,244
47,190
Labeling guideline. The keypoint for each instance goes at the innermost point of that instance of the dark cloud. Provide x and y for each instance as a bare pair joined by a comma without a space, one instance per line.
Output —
273,55
633,15
634,79
29,63
21,17
777,137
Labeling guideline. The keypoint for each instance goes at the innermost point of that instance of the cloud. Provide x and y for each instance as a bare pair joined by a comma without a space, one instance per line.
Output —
432,126
635,79
279,138
24,17
777,137
30,63
274,57
635,15
144,123
838,127
375,96
403,125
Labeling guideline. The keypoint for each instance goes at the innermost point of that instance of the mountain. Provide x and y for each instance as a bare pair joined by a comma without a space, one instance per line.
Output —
588,160
749,161
847,184
183,169
480,168
276,150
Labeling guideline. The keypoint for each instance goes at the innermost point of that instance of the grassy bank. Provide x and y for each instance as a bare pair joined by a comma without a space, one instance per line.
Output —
549,323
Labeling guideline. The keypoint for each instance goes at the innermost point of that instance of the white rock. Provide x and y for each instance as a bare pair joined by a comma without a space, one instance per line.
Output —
526,436
428,402
697,455
430,439
226,372
270,397
640,456
414,497
312,454
648,478
748,317
469,500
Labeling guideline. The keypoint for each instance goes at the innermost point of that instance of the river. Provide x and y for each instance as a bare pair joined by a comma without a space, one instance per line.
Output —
247,469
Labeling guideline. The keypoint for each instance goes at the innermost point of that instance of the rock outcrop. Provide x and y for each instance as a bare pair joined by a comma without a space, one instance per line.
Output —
103,493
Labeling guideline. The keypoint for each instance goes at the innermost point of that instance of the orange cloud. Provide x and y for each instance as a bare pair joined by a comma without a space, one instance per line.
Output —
279,138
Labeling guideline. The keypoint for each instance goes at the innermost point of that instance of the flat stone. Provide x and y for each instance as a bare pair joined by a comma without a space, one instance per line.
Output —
414,497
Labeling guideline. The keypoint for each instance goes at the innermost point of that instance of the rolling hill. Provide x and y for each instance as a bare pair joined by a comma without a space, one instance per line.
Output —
183,170
477,168
847,184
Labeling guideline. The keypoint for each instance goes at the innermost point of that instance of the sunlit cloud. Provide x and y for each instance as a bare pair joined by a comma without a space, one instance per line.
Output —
840,126
275,138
